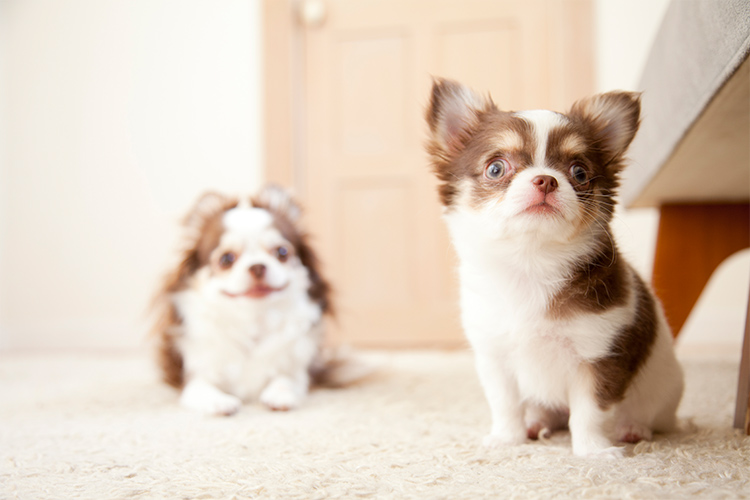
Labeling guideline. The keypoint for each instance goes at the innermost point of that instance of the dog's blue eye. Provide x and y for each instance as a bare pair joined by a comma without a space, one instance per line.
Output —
579,174
496,169
226,260
282,253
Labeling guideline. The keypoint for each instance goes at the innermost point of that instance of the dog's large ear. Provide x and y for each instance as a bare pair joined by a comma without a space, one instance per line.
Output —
452,115
279,201
208,205
613,117
203,228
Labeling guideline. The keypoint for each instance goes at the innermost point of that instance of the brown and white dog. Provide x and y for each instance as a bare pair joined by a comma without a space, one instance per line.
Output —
241,316
564,330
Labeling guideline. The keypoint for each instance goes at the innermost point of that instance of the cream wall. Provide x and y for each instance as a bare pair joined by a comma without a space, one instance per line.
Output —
625,30
3,162
117,114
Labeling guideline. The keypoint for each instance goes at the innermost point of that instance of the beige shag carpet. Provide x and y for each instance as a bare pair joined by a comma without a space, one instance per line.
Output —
103,427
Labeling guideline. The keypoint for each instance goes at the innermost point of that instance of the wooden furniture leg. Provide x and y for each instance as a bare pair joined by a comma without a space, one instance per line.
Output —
692,241
742,412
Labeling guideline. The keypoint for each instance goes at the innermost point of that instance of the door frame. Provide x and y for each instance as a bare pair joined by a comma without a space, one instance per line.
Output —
283,93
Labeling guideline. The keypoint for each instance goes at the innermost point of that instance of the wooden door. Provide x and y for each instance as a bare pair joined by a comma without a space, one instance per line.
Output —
362,81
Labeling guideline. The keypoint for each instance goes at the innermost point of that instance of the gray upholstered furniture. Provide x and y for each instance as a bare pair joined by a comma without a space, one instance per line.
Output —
691,157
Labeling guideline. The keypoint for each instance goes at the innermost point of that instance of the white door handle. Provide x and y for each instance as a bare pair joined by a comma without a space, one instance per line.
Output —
312,13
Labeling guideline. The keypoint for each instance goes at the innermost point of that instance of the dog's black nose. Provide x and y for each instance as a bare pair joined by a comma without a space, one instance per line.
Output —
258,270
545,183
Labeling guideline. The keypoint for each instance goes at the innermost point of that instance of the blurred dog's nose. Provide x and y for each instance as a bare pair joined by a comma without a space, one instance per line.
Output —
545,183
258,270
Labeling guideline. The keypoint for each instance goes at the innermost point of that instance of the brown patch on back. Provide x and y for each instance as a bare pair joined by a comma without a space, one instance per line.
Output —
594,286
629,352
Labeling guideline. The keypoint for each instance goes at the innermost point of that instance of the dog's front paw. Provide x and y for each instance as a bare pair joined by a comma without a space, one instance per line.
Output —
207,399
609,453
224,405
280,395
596,447
500,440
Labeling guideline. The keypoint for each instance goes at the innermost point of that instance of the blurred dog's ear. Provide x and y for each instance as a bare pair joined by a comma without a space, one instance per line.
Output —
278,201
208,205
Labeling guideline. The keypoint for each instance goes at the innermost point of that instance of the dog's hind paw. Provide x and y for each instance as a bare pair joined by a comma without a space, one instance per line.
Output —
633,433
281,395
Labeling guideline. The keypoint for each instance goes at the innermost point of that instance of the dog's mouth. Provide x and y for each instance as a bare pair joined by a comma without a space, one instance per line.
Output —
257,291
542,208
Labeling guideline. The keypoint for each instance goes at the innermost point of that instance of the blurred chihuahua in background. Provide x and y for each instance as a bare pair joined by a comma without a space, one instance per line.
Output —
241,316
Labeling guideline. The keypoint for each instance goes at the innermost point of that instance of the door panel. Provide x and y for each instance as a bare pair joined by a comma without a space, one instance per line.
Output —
389,282
370,125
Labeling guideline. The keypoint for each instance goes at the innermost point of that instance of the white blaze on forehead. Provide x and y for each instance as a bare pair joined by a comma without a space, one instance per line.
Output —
543,123
248,219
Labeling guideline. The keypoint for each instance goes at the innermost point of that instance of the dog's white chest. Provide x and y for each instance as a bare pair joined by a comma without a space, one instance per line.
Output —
544,361
240,347
508,316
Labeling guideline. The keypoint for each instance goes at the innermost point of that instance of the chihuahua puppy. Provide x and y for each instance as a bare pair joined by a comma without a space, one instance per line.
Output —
565,333
241,316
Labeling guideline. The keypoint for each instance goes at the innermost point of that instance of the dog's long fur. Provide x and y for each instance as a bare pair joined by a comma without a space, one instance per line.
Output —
564,330
249,329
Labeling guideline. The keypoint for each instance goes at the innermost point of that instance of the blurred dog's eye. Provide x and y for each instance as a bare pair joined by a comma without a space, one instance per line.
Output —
496,169
226,260
579,174
282,253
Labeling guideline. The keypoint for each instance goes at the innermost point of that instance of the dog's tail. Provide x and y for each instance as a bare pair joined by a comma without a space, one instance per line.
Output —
339,367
